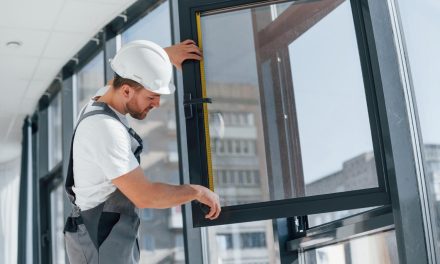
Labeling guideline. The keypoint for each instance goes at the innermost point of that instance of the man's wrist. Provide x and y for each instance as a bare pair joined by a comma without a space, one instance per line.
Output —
196,191
167,51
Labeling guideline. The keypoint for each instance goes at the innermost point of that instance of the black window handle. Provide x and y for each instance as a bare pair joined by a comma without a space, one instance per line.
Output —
197,101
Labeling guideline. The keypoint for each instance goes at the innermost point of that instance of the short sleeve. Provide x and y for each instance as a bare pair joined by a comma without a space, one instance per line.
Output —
112,147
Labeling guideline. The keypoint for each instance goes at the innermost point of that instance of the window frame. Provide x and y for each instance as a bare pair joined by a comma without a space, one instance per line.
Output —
371,222
199,158
47,185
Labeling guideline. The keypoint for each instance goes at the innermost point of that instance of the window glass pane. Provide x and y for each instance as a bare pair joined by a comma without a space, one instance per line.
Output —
379,248
320,219
282,111
57,224
89,79
156,27
242,243
161,231
420,23
55,126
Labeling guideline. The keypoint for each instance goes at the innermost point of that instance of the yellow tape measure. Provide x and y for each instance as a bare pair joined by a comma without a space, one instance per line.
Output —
205,107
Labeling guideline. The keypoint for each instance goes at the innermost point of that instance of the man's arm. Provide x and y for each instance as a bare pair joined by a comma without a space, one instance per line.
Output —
180,52
146,194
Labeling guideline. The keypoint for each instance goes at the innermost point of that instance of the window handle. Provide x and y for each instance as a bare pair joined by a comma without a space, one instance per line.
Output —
197,101
188,102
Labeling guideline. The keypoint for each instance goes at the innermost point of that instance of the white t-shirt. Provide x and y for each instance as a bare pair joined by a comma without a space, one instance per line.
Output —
102,151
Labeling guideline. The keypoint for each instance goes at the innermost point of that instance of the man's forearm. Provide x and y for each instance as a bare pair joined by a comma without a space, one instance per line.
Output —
162,195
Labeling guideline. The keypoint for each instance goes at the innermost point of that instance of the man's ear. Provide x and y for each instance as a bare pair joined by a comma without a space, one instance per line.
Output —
126,91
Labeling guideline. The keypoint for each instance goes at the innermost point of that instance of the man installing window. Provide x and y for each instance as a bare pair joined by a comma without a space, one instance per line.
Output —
104,182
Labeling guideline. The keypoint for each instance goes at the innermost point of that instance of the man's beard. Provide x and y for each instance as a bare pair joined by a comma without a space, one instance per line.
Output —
134,112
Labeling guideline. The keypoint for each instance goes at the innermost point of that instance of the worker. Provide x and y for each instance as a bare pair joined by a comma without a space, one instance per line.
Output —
105,183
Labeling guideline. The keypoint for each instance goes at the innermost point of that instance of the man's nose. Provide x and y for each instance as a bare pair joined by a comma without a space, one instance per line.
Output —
156,103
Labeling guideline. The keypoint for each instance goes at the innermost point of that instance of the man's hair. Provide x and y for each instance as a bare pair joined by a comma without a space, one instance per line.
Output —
118,81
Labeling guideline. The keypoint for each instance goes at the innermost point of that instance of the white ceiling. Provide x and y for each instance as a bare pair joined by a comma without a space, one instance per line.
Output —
51,32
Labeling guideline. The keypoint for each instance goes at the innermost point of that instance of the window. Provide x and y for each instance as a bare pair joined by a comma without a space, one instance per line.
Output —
319,219
242,243
148,243
57,224
89,80
331,118
302,129
54,130
155,26
147,214
253,240
381,248
224,241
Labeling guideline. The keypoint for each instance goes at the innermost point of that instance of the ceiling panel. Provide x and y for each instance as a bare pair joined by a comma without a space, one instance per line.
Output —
14,133
48,69
64,44
5,120
29,14
36,88
76,16
33,41
9,151
26,106
12,104
11,89
14,67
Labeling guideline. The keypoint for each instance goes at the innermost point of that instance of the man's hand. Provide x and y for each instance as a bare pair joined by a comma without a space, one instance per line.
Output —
183,51
211,199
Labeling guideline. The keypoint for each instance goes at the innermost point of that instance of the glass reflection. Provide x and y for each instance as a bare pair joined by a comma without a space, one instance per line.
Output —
242,243
289,115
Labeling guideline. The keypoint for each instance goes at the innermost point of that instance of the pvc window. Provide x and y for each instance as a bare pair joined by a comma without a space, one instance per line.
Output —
293,103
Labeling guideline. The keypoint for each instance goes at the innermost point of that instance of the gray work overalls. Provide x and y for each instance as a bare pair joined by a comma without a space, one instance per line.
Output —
108,232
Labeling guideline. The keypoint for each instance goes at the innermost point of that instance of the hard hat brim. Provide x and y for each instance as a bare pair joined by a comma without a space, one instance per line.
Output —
168,89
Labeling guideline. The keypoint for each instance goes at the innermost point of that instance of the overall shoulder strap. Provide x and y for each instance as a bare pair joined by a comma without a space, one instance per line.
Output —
97,108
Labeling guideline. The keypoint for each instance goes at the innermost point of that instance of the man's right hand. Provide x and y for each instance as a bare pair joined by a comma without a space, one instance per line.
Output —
211,199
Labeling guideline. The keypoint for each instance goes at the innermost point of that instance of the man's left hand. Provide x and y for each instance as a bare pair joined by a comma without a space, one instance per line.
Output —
183,51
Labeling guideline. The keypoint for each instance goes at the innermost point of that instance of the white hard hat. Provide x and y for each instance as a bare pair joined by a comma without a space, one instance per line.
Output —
146,63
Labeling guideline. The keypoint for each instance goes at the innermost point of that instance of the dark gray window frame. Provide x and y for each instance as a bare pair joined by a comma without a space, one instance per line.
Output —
294,206
376,220
27,167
